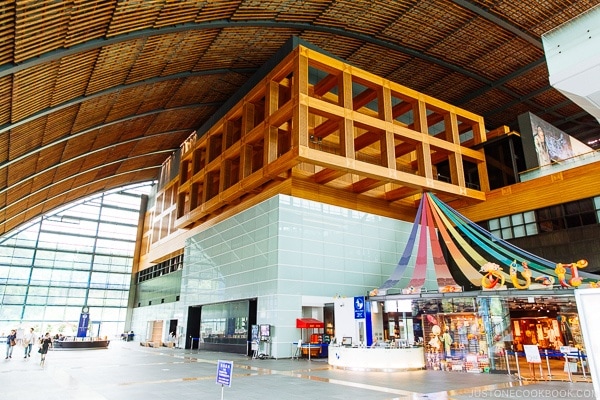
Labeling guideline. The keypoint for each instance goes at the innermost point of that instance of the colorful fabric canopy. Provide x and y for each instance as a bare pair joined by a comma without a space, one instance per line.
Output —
481,258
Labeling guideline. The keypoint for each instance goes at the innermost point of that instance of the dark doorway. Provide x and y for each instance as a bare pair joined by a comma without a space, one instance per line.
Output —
252,309
192,337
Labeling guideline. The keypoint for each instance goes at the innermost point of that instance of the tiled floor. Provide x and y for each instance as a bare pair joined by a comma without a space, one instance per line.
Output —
127,371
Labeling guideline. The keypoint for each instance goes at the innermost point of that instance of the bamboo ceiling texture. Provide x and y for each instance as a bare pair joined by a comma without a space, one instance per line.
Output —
98,93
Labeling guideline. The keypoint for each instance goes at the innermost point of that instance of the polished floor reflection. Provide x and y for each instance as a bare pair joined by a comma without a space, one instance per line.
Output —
127,371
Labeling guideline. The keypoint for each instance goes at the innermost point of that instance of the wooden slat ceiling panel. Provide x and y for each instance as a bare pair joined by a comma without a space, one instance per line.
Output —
505,58
3,174
110,135
178,12
132,15
250,9
59,124
150,144
67,169
36,198
26,138
126,103
89,19
93,112
305,11
539,16
248,47
530,81
20,191
75,148
158,95
462,47
5,93
73,76
136,163
515,110
484,103
113,64
41,182
7,31
377,17
369,20
105,171
130,129
190,51
96,159
370,55
62,191
419,75
427,23
49,157
174,120
19,169
39,80
89,177
20,219
154,56
122,152
205,89
342,47
218,9
4,147
550,98
454,85
41,26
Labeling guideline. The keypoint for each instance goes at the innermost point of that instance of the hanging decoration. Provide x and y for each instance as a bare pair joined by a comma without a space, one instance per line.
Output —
480,257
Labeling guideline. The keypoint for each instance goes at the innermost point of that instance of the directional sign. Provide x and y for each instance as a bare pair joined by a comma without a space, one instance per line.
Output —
224,372
359,307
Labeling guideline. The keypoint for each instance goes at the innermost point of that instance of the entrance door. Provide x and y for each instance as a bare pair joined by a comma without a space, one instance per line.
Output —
193,328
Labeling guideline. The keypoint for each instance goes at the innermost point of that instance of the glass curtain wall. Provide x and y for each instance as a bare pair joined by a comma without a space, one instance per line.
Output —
81,254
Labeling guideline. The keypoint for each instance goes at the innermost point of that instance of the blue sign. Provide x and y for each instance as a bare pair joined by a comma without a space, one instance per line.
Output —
224,372
359,307
84,321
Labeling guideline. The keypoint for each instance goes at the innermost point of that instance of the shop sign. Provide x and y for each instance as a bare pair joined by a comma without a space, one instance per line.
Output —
359,307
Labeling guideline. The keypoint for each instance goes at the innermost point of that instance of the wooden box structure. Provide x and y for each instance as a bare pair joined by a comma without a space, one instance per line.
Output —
318,128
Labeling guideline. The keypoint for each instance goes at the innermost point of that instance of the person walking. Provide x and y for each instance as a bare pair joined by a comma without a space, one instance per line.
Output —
45,344
28,342
11,341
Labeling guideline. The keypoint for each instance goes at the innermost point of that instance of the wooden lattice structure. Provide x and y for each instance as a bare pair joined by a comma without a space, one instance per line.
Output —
328,126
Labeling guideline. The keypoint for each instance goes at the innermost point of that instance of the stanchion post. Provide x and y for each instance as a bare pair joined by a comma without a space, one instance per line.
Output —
548,365
518,366
568,366
507,362
582,361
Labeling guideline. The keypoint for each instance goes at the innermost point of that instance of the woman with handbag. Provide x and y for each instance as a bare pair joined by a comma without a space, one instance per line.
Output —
11,341
45,343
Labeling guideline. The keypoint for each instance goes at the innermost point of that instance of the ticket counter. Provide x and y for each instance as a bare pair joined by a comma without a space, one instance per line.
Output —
374,359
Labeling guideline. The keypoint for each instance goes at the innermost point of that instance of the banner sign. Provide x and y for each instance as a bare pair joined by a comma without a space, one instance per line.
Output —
84,321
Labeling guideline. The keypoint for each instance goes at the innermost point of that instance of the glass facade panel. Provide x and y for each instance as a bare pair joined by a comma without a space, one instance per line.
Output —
225,323
81,254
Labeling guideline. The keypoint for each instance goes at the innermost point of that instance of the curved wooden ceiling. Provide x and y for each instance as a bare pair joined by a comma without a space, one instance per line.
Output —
97,93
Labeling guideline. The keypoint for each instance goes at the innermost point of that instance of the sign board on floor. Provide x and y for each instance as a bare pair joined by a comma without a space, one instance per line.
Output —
532,353
224,372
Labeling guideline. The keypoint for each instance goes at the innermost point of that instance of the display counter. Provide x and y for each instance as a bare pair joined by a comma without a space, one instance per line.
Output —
373,359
